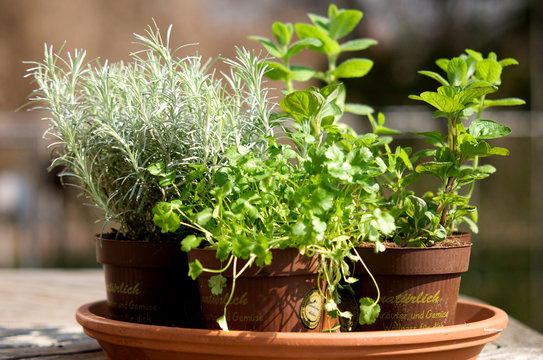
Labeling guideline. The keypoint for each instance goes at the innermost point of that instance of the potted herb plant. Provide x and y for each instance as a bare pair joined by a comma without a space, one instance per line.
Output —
115,127
313,201
419,276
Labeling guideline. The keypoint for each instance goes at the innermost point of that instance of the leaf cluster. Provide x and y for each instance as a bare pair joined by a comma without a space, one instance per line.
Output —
330,36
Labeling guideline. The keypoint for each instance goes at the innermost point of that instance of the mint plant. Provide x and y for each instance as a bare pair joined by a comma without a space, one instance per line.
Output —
110,122
461,99
323,35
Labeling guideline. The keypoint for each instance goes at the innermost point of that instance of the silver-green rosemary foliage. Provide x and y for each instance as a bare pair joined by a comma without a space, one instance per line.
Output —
109,122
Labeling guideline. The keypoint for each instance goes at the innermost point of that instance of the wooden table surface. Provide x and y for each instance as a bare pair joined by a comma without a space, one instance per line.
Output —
37,319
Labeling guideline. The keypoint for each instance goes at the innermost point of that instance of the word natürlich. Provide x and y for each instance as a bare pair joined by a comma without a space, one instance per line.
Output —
421,298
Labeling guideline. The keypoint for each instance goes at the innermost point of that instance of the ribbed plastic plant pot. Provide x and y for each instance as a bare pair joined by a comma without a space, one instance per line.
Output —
419,286
476,325
283,296
147,283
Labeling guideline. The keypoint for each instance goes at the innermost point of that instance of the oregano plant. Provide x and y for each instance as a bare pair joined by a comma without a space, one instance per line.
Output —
454,158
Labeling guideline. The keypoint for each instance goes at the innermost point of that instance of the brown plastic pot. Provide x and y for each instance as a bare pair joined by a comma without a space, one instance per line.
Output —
476,325
280,297
147,283
419,286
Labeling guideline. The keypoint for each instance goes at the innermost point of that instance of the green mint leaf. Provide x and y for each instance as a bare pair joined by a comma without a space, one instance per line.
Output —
369,311
344,23
508,62
282,32
435,76
276,71
328,45
270,47
353,68
301,73
300,45
357,44
439,101
301,104
503,102
487,129
489,70
456,71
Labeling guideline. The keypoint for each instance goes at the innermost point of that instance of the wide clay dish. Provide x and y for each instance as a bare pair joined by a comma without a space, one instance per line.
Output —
476,325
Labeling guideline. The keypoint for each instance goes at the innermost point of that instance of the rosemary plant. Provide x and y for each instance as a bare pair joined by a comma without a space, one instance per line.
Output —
110,124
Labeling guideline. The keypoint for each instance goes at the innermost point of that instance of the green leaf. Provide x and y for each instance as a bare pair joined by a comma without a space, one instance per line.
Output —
469,95
385,221
301,104
435,76
300,45
474,54
190,242
487,129
203,217
369,311
456,71
195,269
165,217
344,23
435,168
353,68
499,151
301,73
167,179
508,62
276,71
357,44
282,32
217,283
503,102
322,200
319,21
439,101
329,46
489,70
443,64
157,168
270,47
223,323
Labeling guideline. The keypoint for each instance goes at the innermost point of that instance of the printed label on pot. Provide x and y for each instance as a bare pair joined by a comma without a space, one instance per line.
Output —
123,288
311,309
413,311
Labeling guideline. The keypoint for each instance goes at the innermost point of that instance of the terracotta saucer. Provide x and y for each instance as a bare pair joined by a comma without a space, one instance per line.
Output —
476,325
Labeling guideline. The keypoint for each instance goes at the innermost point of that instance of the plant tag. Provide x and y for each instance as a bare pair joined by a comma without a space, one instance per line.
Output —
311,309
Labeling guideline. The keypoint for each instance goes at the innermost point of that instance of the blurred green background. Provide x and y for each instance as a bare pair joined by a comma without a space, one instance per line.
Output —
45,225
